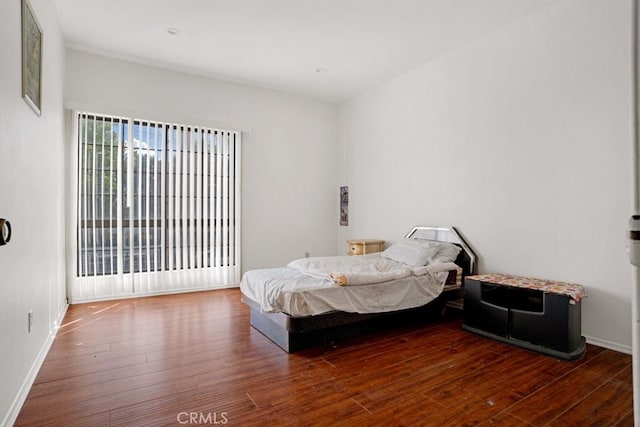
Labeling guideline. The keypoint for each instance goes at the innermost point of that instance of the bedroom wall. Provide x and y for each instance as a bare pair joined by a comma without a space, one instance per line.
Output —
289,193
31,197
522,139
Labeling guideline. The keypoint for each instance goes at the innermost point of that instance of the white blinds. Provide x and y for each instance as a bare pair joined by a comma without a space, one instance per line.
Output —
157,207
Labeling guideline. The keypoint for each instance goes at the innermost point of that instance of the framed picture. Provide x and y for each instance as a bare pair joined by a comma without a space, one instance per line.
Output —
31,58
344,205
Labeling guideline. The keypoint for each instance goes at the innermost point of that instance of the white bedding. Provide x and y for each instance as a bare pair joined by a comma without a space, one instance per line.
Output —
305,287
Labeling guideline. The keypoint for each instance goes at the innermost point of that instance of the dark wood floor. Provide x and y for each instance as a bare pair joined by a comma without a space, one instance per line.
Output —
192,359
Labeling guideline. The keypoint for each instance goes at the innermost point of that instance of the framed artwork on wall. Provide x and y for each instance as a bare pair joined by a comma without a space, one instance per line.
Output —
344,205
31,58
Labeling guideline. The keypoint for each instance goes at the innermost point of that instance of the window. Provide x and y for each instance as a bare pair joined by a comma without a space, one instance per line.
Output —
157,207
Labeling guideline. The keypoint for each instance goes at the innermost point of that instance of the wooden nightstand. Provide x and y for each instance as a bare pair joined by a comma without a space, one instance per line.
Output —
365,246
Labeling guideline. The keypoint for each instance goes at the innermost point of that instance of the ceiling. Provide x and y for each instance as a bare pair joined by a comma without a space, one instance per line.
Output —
326,49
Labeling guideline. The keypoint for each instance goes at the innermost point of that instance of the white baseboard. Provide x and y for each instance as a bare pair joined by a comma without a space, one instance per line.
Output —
610,345
11,416
151,294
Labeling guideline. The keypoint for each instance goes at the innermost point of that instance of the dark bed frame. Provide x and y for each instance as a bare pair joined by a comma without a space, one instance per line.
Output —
298,333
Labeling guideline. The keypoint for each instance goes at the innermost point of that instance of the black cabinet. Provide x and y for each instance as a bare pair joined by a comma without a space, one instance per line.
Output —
545,322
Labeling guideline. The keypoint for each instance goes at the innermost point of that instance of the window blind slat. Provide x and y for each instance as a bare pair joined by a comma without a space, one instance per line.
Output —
83,205
119,202
147,194
111,183
138,200
192,198
163,196
155,208
171,199
205,198
129,214
212,199
238,199
225,199
178,199
100,199
218,227
92,198
197,217
232,199
185,198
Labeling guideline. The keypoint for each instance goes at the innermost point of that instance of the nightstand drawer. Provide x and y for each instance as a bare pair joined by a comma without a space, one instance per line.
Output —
355,249
364,246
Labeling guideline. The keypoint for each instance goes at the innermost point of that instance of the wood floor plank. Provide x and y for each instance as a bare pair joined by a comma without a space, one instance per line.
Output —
148,361
490,402
627,421
504,419
471,410
476,385
112,400
96,365
388,398
169,410
604,406
102,419
455,367
404,409
554,399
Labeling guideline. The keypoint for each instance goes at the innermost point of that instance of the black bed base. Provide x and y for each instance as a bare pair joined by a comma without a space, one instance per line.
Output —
298,333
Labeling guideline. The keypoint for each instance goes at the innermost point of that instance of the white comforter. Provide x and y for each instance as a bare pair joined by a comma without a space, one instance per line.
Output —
305,287
357,270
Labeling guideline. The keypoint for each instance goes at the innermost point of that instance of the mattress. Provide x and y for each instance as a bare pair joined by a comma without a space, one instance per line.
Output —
287,290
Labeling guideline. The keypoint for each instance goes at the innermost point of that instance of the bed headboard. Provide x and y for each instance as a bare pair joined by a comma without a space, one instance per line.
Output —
447,233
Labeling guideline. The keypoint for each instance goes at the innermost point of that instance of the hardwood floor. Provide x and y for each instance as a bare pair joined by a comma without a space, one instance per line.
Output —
193,359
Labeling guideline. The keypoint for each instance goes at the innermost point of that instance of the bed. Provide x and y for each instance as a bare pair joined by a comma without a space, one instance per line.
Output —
318,301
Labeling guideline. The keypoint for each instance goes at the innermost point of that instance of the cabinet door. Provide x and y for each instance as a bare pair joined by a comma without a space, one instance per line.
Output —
486,307
545,325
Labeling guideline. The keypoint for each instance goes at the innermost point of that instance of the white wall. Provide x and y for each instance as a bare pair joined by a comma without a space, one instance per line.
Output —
31,197
523,140
289,199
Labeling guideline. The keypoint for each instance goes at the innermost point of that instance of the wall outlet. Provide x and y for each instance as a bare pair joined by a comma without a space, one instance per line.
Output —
306,254
30,321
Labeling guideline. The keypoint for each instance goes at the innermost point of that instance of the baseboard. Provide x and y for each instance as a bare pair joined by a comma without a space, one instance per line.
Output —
610,345
151,294
16,406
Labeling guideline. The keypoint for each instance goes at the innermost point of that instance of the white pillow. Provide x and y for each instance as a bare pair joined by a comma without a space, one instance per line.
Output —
447,252
410,252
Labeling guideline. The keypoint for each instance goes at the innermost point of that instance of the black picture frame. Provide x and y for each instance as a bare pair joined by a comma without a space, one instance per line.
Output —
344,206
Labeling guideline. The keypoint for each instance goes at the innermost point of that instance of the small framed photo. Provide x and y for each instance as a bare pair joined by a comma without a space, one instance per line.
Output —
344,205
31,58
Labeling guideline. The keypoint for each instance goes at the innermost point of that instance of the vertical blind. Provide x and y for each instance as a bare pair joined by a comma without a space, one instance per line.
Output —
157,207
